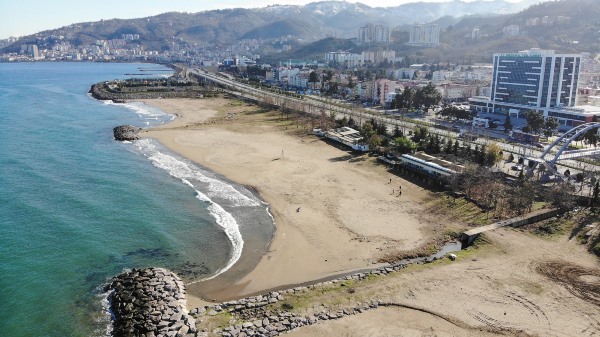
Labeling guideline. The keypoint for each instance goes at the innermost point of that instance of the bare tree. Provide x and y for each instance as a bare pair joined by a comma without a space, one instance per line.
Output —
560,195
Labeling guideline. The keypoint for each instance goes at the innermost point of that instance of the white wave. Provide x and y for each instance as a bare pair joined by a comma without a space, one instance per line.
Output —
216,188
178,169
231,228
185,181
105,320
144,110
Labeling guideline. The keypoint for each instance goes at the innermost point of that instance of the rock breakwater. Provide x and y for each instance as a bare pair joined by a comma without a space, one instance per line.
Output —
256,316
149,302
101,92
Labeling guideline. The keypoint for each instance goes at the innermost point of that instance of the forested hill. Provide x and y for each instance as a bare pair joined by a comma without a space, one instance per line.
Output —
310,22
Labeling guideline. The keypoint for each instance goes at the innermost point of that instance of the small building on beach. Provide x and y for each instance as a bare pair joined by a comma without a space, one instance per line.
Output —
346,136
423,163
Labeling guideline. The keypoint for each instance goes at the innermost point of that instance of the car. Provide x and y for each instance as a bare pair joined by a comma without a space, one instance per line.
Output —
517,167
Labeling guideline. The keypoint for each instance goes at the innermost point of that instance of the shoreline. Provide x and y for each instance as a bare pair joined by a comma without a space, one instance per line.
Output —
326,227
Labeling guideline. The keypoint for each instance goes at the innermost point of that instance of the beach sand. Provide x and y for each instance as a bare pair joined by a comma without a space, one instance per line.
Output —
348,217
334,211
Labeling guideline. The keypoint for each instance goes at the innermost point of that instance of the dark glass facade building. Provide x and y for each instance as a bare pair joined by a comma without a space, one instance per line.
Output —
535,79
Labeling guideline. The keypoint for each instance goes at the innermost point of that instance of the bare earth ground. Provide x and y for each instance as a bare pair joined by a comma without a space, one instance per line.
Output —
499,288
333,212
519,284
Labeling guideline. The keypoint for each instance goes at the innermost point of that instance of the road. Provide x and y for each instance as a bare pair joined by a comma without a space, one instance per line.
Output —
316,105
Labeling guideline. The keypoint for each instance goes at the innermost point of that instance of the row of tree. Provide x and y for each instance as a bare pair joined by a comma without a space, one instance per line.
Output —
424,97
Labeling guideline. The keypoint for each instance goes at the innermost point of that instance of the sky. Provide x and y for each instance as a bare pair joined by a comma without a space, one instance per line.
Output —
24,17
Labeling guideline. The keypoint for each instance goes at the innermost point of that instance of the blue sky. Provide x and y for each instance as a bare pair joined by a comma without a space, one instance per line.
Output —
24,17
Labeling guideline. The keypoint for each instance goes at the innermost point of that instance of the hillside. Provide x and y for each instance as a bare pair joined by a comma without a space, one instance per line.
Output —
571,26
313,51
311,22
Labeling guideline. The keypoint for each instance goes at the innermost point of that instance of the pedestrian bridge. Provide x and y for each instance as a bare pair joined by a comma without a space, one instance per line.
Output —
557,150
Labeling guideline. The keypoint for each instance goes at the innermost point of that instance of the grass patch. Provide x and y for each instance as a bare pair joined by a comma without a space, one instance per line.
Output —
220,320
457,209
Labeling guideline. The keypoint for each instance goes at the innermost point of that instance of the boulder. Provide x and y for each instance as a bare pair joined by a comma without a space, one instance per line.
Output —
126,132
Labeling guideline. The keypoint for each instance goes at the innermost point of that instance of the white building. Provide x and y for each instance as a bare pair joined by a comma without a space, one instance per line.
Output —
440,76
424,35
373,34
512,30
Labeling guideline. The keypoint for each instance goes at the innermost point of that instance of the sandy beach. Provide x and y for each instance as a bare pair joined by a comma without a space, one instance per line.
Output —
334,211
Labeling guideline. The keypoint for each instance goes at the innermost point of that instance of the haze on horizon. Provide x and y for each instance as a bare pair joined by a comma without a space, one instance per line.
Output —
25,17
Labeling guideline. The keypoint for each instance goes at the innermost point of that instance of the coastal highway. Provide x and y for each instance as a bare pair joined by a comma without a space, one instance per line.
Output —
317,105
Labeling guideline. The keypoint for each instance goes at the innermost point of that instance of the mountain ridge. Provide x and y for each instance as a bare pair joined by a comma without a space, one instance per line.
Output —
313,21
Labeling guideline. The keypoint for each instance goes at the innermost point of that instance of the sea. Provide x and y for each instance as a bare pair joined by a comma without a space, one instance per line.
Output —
78,207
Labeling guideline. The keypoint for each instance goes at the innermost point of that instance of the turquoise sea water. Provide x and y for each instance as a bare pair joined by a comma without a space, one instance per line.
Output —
77,207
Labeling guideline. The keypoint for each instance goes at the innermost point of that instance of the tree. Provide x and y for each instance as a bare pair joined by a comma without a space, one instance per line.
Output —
374,142
313,77
591,136
405,99
560,195
404,145
493,154
448,146
507,124
521,196
367,131
535,119
420,133
596,193
429,96
551,124
397,132
350,83
455,147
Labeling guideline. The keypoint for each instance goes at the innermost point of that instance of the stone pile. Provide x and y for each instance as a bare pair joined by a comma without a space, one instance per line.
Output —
126,132
98,91
151,303
264,323
268,324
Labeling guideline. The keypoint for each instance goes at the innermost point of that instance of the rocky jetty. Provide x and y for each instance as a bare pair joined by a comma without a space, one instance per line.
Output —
257,316
149,302
126,132
101,92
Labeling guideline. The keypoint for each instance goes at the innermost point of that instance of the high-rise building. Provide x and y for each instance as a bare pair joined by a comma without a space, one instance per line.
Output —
424,35
535,80
373,34
34,52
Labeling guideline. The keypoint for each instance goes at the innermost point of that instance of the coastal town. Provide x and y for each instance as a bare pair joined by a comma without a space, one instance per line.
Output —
438,177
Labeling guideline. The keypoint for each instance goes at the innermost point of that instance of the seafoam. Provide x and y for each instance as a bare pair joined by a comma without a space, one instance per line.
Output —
208,188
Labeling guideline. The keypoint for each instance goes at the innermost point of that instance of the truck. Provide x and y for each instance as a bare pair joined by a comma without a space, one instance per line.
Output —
524,137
